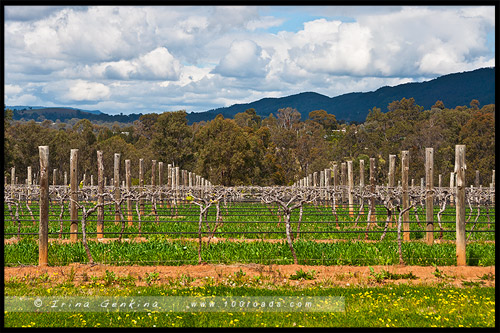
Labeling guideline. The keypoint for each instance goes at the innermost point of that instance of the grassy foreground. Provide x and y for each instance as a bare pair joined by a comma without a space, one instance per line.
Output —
385,306
161,251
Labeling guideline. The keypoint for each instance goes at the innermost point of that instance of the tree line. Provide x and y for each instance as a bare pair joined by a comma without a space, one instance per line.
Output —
275,150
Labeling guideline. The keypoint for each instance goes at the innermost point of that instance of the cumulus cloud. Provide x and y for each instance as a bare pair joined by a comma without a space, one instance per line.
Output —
80,90
244,59
158,64
332,47
164,57
12,89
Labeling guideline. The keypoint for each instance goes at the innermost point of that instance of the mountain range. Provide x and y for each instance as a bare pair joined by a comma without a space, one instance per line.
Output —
453,90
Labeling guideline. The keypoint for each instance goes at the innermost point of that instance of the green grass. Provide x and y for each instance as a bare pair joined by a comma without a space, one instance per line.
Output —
162,251
386,306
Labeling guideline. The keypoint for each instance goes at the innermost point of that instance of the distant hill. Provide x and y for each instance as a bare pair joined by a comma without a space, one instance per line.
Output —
453,89
64,114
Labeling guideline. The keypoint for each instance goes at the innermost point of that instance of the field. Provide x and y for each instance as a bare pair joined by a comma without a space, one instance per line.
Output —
244,250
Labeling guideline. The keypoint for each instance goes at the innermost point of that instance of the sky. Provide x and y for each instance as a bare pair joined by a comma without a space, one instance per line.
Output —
133,59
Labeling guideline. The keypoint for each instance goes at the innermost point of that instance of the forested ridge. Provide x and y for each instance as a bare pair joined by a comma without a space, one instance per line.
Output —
275,150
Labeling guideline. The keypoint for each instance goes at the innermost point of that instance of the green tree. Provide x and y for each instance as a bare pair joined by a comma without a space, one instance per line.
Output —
224,153
287,117
248,118
172,139
312,151
328,121
478,134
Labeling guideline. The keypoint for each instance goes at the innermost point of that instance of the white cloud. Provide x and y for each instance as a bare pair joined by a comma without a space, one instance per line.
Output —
332,47
245,59
131,58
24,99
264,22
12,89
80,90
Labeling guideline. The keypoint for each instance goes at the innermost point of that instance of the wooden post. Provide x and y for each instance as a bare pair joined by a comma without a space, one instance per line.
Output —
391,178
54,177
315,179
128,184
343,181
373,217
141,185
477,182
177,178
65,178
429,197
350,181
328,176
116,184
440,180
73,180
493,186
12,180
322,185
452,188
405,166
361,181
460,167
43,236
12,176
29,182
160,181
100,192
169,176
153,173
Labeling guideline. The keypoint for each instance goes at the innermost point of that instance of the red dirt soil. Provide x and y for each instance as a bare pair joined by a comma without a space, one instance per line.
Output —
275,274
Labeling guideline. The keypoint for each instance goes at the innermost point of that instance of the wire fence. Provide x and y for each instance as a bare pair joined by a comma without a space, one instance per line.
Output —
207,213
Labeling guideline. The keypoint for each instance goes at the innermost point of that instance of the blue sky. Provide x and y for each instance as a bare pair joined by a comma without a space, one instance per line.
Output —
131,59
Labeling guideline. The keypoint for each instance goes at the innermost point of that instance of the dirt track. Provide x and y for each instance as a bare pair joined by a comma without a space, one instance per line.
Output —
275,274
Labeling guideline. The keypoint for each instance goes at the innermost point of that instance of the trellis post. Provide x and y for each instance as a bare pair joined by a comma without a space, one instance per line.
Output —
452,188
141,185
43,238
372,189
405,166
153,173
100,192
391,176
429,197
460,167
12,176
29,182
343,181
116,180
350,181
128,184
361,181
73,179
493,186
160,182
